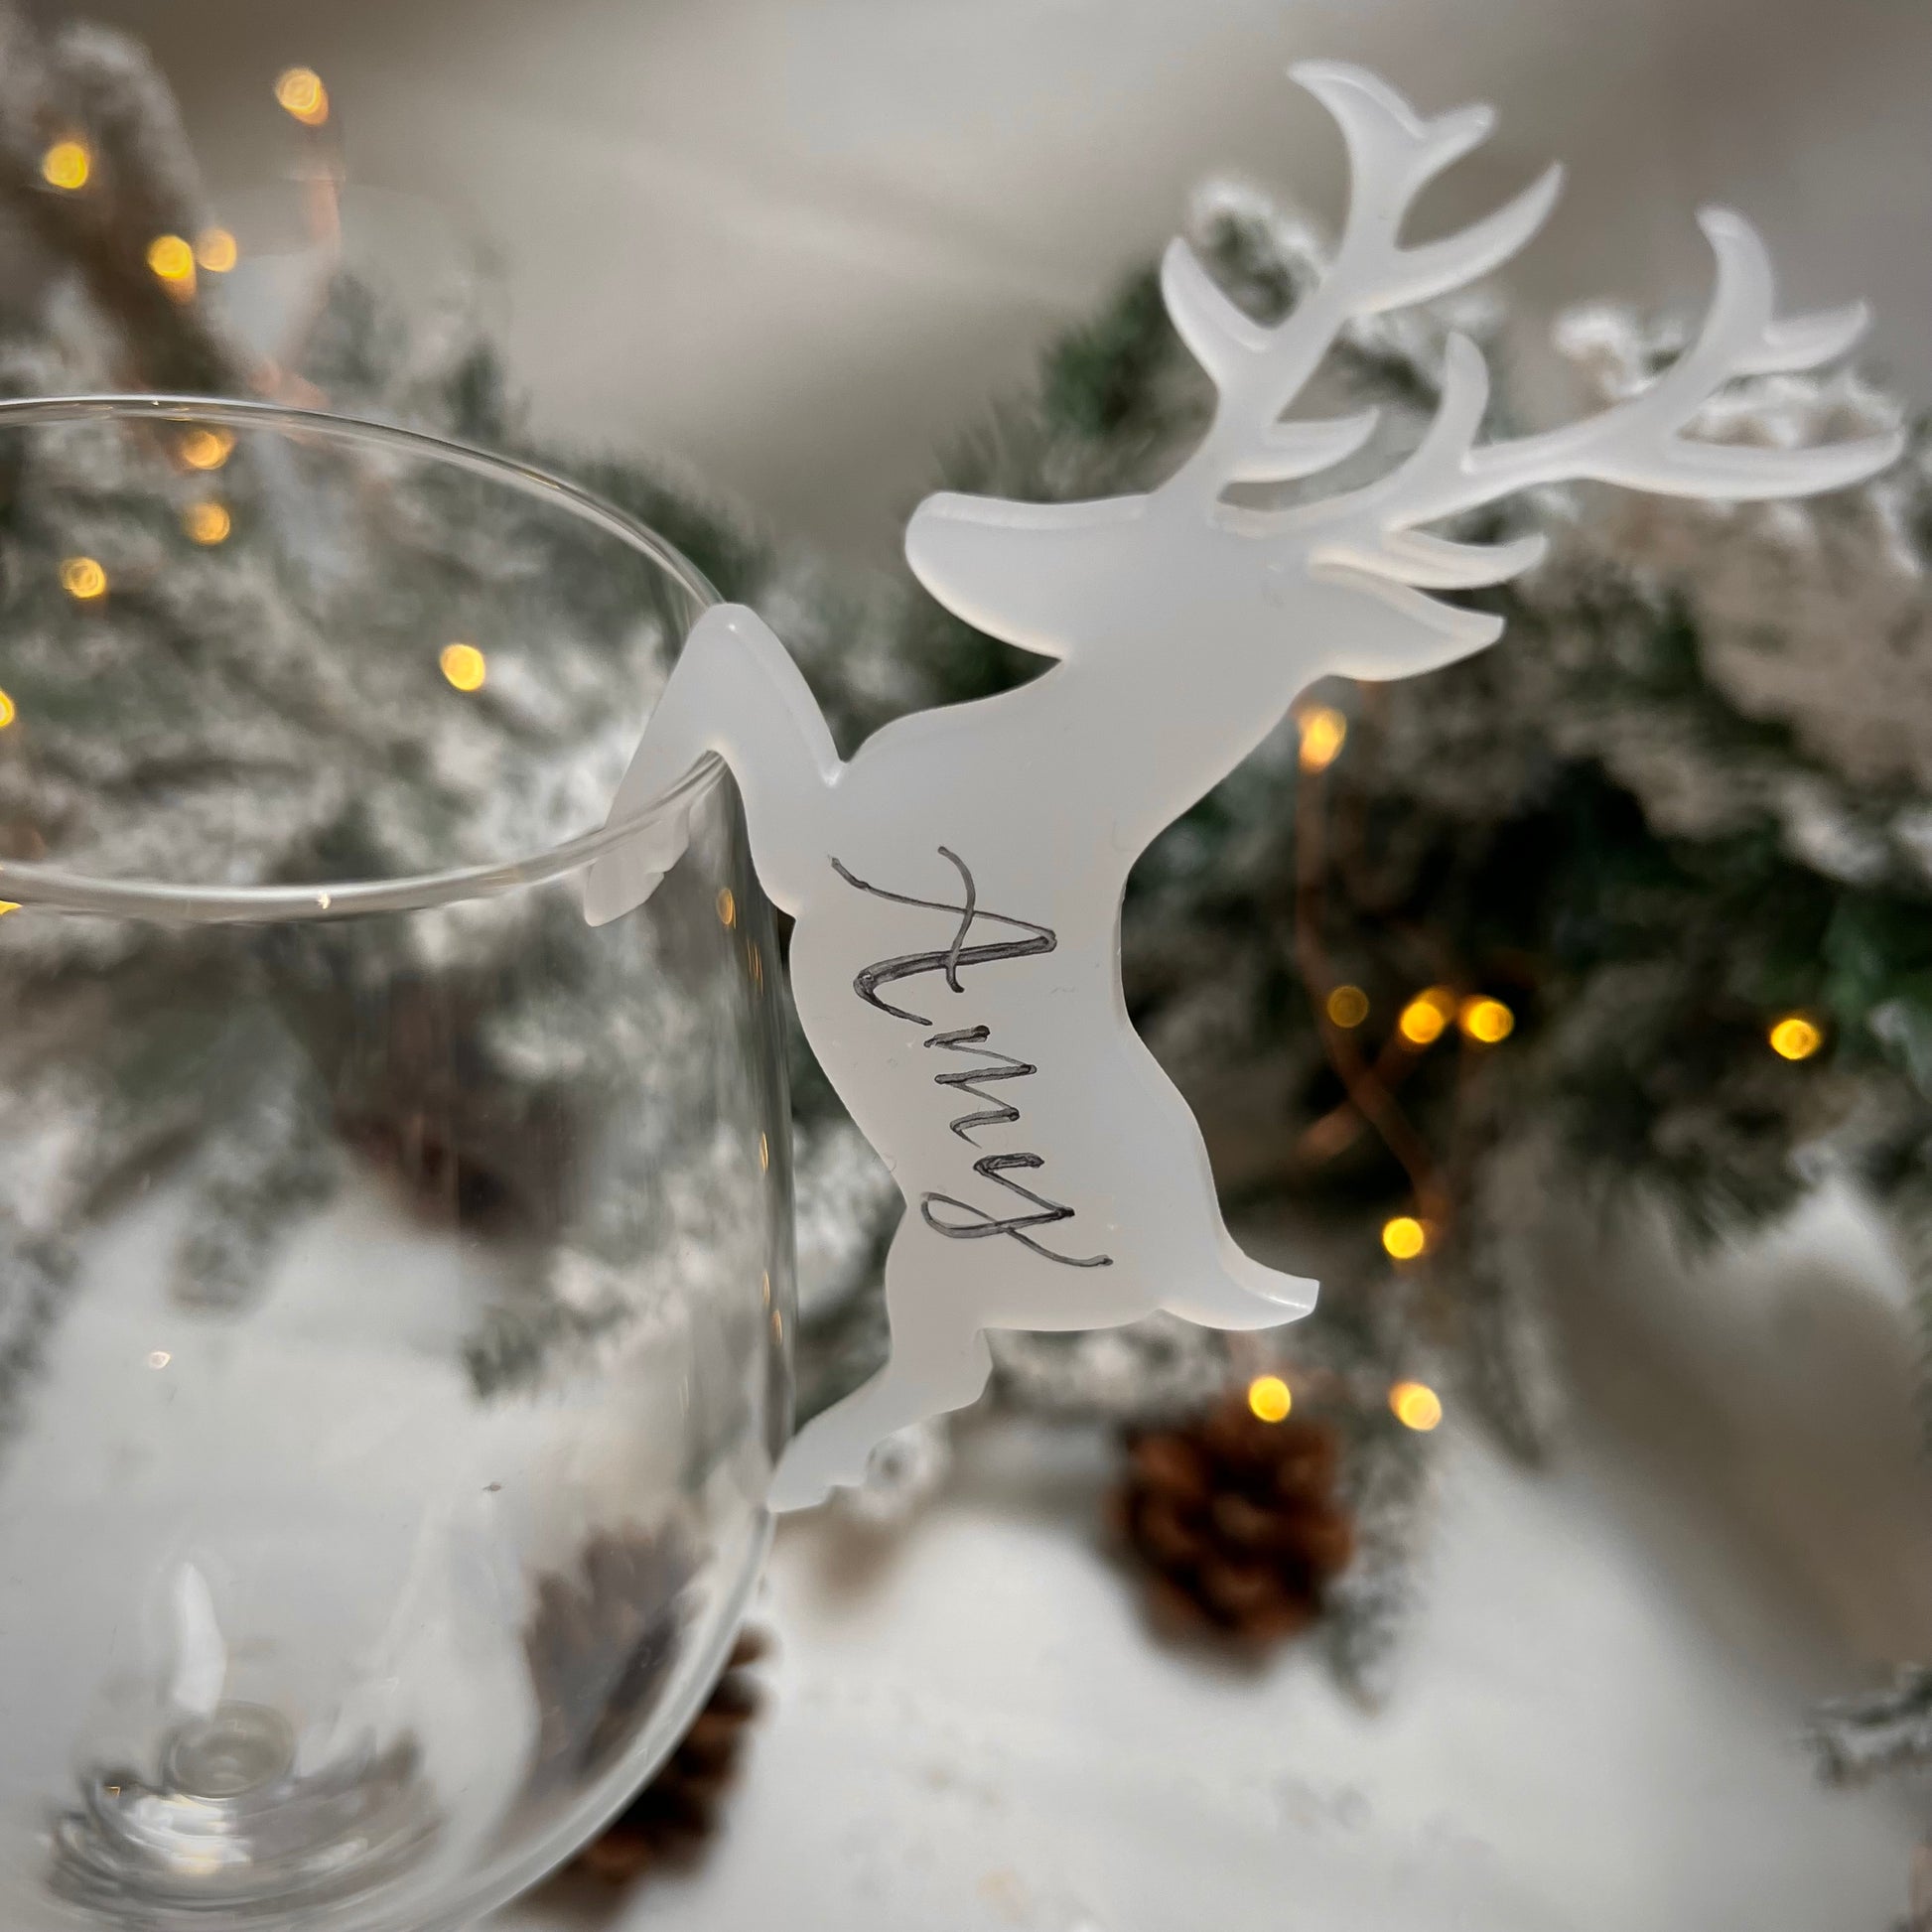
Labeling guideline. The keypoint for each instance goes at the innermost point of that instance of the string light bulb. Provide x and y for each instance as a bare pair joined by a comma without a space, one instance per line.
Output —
464,666
9,711
1324,732
206,448
217,250
1347,1006
82,578
1416,1406
1794,1037
1403,1237
727,907
1270,1398
173,261
1485,1020
299,91
67,166
1423,1021
207,522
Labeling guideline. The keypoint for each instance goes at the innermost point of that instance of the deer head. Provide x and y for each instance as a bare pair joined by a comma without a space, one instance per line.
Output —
1343,579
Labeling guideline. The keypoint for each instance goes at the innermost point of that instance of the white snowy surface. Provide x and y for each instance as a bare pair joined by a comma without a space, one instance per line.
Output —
1593,1729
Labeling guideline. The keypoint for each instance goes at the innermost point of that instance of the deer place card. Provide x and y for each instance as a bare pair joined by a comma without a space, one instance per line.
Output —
957,883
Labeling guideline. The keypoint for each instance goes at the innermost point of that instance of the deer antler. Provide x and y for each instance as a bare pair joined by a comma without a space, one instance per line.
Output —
1393,155
1368,537
1638,442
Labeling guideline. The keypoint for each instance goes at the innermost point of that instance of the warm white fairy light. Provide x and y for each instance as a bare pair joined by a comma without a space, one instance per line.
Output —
1324,732
464,666
1403,1237
207,522
173,262
1270,1398
1347,1006
67,165
299,91
83,579
1416,1406
1425,1019
217,250
206,448
1794,1037
1485,1020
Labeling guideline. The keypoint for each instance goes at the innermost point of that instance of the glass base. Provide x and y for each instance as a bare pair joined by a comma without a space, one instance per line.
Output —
231,1826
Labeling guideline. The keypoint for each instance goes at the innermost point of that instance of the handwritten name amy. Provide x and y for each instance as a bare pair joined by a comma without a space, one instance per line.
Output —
947,1214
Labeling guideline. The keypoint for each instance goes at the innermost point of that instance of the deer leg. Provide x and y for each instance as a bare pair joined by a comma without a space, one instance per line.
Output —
735,694
1185,1253
939,1361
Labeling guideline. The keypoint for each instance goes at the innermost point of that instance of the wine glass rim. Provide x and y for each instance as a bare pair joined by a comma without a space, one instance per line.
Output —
55,888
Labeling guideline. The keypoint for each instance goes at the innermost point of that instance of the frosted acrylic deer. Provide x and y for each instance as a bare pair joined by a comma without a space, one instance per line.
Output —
957,883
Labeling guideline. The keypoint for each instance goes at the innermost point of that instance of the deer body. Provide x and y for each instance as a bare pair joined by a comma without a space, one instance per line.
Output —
957,884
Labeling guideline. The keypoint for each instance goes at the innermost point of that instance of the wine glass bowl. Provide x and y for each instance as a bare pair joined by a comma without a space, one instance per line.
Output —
395,1270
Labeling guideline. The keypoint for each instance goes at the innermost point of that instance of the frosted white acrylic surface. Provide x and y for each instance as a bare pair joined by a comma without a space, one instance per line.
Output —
957,883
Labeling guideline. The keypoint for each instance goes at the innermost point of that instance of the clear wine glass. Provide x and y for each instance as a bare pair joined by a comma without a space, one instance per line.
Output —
395,1270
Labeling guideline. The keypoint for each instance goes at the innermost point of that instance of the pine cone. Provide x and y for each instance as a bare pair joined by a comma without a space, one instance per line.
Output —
602,1643
677,1810
1236,1521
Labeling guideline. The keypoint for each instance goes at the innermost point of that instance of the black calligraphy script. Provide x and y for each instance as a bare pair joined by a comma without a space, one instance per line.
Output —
962,1221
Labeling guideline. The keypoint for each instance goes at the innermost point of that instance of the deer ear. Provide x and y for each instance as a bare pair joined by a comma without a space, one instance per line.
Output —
1396,631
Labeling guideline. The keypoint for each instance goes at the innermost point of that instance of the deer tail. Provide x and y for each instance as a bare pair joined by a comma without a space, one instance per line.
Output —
1242,1293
